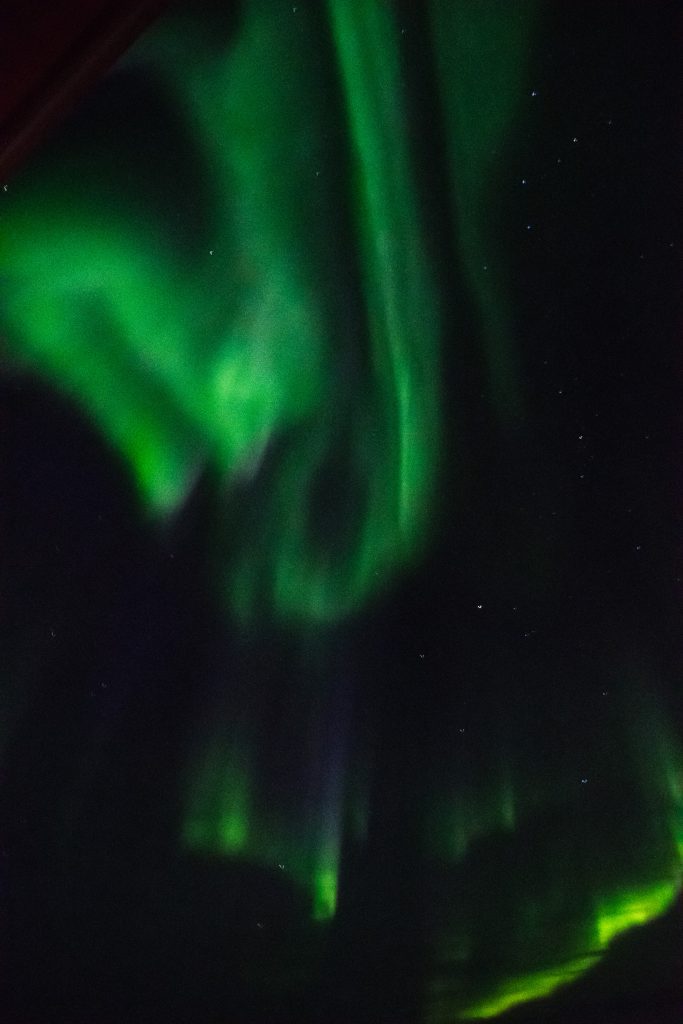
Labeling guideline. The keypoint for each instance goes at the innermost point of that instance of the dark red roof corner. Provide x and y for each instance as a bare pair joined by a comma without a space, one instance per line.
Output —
50,54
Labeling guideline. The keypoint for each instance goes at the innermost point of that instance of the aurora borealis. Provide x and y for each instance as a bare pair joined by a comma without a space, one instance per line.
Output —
341,397
234,324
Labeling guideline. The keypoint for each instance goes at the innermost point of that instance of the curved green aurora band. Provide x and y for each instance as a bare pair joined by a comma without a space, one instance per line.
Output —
229,350
233,350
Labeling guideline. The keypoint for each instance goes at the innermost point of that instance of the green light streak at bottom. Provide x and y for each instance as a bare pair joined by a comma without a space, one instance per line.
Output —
535,883
525,988
617,915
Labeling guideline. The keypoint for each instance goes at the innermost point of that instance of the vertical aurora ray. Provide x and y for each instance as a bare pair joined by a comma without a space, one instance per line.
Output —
219,798
481,53
392,423
401,299
659,754
230,809
331,770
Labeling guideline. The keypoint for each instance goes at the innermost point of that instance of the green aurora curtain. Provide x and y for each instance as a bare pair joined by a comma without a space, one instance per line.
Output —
259,300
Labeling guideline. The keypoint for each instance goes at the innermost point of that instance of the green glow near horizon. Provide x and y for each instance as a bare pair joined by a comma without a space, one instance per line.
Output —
526,988
325,894
629,909
219,799
231,349
231,777
604,906
224,818
625,911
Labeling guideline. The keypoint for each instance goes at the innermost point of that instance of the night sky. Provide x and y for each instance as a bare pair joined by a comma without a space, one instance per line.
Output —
341,469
